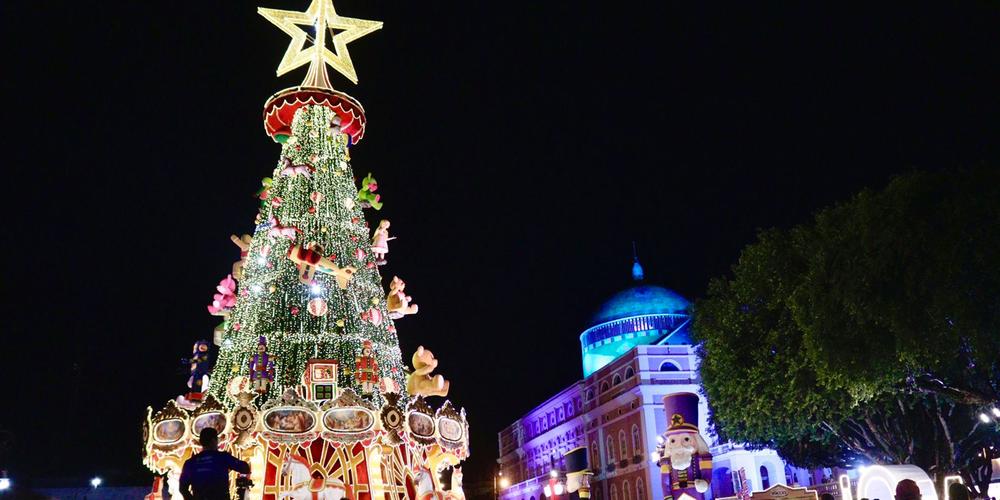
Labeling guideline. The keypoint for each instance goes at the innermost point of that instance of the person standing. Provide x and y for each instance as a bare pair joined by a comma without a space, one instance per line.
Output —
205,476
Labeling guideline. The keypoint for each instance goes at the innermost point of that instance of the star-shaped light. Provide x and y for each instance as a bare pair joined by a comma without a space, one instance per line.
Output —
323,17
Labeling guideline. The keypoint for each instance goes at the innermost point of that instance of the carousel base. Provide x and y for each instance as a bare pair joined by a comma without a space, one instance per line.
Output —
300,449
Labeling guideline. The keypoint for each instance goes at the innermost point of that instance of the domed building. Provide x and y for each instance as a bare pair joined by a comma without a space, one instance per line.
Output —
637,350
640,315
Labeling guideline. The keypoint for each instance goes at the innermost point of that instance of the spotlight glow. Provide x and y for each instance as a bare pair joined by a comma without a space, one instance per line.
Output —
996,412
96,482
559,489
984,418
4,483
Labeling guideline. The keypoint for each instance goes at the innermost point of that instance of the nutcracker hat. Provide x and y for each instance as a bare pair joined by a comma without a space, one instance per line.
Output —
682,412
366,344
262,341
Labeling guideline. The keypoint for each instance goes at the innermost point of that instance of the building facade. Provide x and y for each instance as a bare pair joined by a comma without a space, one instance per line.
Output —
637,350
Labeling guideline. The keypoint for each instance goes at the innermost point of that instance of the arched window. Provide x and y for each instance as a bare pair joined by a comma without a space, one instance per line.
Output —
616,380
629,373
640,491
626,491
765,481
590,394
595,455
604,387
622,449
636,441
614,492
669,366
610,451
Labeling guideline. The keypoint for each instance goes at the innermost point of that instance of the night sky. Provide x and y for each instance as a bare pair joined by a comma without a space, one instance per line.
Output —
520,148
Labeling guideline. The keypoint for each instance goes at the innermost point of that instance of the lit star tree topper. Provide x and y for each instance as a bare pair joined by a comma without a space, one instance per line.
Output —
323,17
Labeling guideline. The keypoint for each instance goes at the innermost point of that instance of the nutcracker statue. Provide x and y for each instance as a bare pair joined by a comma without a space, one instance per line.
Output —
261,367
366,368
683,457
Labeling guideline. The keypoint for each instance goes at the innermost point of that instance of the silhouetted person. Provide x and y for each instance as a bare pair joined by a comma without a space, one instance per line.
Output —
958,491
907,489
205,476
826,496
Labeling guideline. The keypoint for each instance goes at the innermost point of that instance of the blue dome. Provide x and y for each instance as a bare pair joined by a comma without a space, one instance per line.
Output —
638,301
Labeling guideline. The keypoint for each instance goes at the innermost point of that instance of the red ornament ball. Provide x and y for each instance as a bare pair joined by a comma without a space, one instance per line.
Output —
295,311
318,307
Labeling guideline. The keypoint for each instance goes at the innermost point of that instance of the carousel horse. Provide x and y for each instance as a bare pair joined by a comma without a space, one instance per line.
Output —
306,487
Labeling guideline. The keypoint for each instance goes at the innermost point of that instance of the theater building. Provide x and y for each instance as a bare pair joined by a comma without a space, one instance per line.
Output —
637,349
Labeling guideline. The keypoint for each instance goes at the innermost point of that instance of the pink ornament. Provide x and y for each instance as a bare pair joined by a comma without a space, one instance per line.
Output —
373,316
236,327
359,254
265,250
318,307
295,311
225,300
391,329
276,201
316,197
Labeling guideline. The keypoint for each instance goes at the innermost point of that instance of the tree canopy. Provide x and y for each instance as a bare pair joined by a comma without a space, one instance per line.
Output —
871,332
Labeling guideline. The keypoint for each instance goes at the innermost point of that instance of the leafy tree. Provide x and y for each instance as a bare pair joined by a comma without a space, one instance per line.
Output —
872,332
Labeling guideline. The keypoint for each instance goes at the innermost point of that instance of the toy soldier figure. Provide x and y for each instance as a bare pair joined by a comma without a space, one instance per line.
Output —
684,460
366,368
261,367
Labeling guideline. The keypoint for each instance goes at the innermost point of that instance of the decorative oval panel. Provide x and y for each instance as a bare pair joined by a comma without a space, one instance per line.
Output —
169,431
289,420
348,420
450,429
214,420
421,424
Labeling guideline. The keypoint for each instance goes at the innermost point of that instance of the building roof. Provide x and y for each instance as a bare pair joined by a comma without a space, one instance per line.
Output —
640,300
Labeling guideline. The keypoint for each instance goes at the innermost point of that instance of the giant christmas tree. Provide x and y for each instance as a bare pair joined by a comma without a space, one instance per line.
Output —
311,284
309,384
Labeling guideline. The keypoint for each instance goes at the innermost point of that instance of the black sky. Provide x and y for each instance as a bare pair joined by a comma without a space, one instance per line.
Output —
520,148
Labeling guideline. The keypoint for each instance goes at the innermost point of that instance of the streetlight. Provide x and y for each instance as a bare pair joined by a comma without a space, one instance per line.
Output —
984,418
503,482
996,412
96,482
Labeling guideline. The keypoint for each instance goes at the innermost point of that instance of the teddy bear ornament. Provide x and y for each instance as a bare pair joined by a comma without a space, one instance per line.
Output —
420,382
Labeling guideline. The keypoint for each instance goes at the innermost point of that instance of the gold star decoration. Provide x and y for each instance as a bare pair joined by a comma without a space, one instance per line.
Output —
323,17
